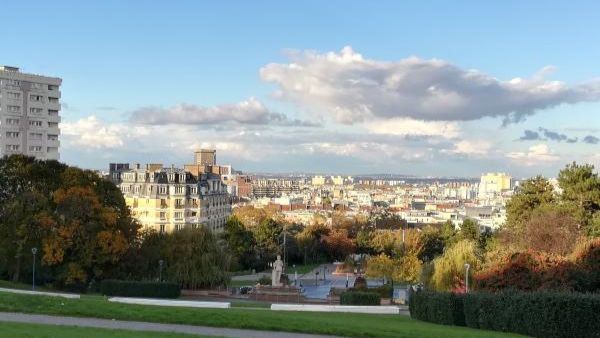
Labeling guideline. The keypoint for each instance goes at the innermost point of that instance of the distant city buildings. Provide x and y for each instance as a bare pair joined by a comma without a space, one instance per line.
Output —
169,199
29,114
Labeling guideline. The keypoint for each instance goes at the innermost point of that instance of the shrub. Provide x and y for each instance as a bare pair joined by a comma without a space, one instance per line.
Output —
360,298
123,288
264,280
384,291
438,307
536,314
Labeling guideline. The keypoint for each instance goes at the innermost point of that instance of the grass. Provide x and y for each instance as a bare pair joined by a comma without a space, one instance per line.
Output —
22,330
342,324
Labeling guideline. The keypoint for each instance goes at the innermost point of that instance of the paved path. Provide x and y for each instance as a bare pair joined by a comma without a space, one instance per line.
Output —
143,326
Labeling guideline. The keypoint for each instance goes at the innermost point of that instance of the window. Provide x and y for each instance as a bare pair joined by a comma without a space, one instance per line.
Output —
178,227
35,148
36,86
36,111
12,122
179,214
13,109
52,112
162,189
35,123
13,95
36,98
52,87
11,83
162,229
53,99
52,124
35,136
162,215
12,147
12,134
52,137
52,149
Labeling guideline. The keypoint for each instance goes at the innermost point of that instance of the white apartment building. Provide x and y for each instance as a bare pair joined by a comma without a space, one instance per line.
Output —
29,114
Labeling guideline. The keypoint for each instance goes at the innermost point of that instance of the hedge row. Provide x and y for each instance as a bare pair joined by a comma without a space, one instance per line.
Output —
437,307
537,314
360,298
111,287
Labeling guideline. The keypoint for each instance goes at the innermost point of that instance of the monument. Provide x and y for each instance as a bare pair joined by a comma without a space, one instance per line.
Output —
277,271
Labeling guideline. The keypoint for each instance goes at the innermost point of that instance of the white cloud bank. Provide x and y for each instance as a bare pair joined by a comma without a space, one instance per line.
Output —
351,89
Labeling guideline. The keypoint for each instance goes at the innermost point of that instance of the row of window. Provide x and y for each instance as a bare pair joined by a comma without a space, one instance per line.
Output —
16,147
17,83
32,110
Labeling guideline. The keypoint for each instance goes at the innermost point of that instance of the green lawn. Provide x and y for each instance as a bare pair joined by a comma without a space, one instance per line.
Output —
21,330
351,325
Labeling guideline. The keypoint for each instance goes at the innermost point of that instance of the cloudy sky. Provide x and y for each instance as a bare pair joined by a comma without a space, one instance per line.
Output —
355,87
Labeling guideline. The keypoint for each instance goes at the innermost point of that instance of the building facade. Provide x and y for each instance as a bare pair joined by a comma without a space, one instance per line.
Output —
170,199
29,114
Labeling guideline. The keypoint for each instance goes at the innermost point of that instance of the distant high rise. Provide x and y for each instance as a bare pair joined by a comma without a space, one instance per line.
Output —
492,184
29,114
205,157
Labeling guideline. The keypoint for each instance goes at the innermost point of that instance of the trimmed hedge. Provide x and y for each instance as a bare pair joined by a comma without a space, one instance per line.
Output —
360,298
123,288
536,314
437,307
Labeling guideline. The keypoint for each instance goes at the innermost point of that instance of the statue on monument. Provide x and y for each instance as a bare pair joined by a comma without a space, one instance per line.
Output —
277,271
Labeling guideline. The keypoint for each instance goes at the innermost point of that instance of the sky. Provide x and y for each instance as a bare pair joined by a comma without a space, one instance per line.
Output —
431,88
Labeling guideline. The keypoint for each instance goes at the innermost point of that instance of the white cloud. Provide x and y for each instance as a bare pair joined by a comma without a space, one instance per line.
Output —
465,147
91,133
406,126
536,154
351,88
250,111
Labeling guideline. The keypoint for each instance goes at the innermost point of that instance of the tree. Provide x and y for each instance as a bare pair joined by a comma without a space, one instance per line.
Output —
581,188
550,229
449,267
469,230
241,242
381,266
531,194
195,259
338,245
311,244
432,244
267,234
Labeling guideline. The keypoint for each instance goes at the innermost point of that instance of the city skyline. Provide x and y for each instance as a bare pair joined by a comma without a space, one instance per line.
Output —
417,89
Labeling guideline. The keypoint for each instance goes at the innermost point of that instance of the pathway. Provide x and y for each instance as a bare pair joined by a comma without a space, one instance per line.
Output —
144,326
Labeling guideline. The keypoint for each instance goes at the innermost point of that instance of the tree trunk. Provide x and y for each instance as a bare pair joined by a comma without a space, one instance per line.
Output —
17,272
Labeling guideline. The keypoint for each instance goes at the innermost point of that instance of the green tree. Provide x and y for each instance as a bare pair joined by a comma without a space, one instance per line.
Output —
531,194
241,243
195,259
267,235
449,268
432,244
469,230
581,188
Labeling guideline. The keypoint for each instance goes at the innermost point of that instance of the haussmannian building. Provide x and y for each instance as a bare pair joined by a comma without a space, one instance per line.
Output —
170,199
29,114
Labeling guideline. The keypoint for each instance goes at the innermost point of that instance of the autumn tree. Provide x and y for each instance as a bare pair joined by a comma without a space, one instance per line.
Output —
531,194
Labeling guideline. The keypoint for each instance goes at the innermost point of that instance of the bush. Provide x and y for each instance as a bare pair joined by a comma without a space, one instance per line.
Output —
384,291
265,280
123,288
536,314
437,307
360,298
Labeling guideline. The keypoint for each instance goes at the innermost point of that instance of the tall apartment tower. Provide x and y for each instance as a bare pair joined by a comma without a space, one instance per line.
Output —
205,157
29,114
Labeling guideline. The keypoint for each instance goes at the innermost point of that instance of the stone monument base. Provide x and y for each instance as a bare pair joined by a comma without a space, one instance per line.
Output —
277,294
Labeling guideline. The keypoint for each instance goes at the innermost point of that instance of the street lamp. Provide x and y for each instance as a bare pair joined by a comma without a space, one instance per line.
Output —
324,272
34,252
467,267
160,267
316,278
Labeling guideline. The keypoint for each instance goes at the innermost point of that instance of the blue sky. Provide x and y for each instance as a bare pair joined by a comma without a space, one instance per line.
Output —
134,71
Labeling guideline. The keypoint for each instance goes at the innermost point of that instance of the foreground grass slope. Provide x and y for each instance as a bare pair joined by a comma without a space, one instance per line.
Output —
20,330
350,325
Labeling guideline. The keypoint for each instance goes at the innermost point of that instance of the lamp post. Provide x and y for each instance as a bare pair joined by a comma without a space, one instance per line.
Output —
160,267
324,273
467,267
34,252
316,278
